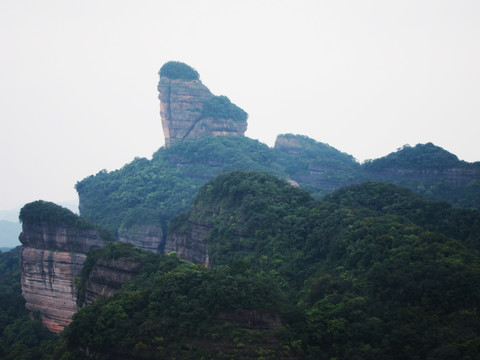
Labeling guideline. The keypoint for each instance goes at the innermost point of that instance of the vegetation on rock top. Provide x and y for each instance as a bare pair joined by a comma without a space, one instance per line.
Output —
44,212
178,70
220,107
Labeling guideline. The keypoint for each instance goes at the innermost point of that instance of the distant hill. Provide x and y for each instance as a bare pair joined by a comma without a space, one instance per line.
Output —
9,232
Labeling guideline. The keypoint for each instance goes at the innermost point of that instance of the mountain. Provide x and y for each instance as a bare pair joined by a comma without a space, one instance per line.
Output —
221,247
139,200
371,271
190,111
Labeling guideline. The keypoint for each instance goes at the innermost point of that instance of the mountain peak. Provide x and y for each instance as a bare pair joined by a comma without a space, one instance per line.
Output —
190,111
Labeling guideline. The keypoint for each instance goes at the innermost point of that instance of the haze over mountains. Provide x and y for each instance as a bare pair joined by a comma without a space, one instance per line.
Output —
222,247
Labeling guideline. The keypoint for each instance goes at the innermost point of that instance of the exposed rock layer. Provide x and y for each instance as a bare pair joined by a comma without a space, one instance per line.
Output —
108,276
48,284
190,243
145,237
181,110
52,256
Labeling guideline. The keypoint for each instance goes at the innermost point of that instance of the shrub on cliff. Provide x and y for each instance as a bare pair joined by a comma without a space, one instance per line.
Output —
178,70
220,107
40,211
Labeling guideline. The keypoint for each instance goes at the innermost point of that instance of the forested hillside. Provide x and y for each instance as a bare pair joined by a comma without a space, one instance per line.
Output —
150,192
371,271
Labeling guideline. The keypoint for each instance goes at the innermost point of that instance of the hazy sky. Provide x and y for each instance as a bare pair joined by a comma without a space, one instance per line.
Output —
78,78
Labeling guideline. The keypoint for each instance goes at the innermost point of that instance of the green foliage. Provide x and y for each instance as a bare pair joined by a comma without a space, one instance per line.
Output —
178,70
421,156
371,271
153,191
220,107
40,212
378,267
257,218
168,307
20,336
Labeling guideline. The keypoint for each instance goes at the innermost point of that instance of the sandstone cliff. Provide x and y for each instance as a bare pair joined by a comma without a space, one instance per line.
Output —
190,240
55,242
108,276
48,284
52,257
145,237
190,111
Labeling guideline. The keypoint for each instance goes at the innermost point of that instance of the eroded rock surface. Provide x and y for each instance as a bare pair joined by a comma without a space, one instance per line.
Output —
145,237
48,284
190,111
108,276
52,257
190,243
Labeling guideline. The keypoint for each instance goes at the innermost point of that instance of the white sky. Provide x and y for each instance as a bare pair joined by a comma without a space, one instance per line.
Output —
78,78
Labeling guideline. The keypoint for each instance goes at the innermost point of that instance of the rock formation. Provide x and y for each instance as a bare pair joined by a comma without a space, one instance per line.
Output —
145,237
190,111
52,257
108,276
190,243
55,245
48,284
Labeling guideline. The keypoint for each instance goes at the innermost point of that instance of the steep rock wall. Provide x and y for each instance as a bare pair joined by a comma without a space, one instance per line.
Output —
145,237
182,105
48,284
52,257
108,276
190,242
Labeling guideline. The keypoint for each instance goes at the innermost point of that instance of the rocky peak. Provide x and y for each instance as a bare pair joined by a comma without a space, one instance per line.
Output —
190,111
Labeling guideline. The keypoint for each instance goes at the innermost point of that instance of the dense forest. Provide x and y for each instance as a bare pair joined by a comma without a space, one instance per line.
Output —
153,191
370,271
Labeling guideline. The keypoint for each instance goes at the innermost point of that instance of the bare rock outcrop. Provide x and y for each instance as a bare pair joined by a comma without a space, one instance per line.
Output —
189,242
50,264
108,276
55,242
190,111
145,237
48,284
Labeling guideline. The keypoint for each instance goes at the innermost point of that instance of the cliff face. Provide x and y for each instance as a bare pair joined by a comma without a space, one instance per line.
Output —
60,238
52,256
108,276
145,237
48,284
183,105
190,242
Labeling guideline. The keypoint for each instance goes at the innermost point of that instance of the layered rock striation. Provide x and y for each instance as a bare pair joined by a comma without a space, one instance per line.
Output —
146,237
48,284
190,111
190,241
55,246
108,276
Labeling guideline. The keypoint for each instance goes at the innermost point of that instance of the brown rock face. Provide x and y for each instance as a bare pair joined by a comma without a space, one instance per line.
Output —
48,284
190,243
52,256
60,238
149,237
108,276
181,108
